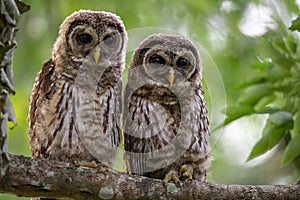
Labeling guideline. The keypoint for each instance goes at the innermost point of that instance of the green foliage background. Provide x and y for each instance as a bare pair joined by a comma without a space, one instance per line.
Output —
260,74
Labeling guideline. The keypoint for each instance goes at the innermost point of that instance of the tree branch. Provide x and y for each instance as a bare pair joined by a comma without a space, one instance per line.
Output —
39,177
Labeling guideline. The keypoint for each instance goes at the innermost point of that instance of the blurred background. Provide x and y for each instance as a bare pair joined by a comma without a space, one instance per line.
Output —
235,36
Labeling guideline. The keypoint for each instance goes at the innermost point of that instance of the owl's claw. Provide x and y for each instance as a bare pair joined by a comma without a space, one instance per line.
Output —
92,164
172,176
186,172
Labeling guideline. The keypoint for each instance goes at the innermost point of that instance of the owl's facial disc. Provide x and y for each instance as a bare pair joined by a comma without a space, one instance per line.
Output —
111,43
185,62
82,40
169,67
155,64
158,61
103,45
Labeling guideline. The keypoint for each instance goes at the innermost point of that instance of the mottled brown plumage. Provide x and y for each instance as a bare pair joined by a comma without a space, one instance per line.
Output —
165,122
75,103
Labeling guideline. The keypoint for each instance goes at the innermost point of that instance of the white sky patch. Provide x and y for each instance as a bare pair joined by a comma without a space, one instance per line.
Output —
228,6
240,136
297,2
257,20
217,32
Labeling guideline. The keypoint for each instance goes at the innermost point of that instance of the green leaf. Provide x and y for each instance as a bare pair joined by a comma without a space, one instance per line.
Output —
275,135
260,65
252,81
235,112
259,148
279,45
275,72
295,89
296,128
277,125
281,118
298,49
292,150
284,62
266,110
261,104
254,93
290,44
295,25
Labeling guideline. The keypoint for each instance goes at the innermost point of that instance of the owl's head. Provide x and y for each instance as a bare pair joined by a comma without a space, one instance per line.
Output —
91,35
168,59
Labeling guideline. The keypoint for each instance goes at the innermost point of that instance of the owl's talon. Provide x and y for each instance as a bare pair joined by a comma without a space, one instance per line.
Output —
186,172
172,176
92,164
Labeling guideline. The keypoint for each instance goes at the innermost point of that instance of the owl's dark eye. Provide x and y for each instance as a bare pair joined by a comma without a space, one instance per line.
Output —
110,40
156,59
182,62
84,38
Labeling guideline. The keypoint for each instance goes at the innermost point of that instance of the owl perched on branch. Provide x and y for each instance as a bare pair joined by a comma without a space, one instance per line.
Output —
75,103
165,120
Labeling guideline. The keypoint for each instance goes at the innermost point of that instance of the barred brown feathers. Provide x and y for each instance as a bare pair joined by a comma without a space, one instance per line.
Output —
75,103
165,117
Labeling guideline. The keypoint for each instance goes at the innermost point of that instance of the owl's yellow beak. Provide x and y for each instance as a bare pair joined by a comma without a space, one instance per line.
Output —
96,54
171,77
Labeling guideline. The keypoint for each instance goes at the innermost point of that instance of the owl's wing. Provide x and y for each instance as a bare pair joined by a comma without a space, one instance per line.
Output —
147,127
198,151
199,143
43,88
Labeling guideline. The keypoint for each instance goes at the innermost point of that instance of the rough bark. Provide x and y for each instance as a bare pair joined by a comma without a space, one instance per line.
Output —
10,10
39,177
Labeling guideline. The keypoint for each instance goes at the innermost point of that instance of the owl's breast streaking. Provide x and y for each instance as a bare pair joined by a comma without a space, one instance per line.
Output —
165,117
75,105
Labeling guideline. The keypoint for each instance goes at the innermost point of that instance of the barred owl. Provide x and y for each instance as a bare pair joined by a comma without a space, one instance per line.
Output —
165,120
75,103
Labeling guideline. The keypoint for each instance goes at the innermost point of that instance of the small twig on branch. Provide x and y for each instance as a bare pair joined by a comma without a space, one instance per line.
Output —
31,178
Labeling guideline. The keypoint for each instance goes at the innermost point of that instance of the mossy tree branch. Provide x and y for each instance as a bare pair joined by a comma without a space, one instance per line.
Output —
44,178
